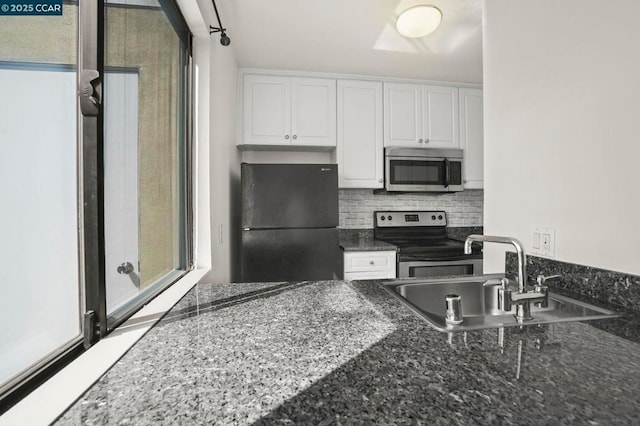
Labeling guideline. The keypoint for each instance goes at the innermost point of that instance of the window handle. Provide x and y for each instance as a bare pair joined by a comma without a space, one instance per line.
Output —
125,268
90,92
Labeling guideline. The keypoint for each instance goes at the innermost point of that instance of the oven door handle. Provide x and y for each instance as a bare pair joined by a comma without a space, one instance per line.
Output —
447,172
405,267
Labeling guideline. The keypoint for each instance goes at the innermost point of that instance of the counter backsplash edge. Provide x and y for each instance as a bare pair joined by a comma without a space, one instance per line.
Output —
459,233
615,288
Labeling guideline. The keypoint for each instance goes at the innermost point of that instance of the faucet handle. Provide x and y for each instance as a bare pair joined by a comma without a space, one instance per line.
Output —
543,289
502,282
542,279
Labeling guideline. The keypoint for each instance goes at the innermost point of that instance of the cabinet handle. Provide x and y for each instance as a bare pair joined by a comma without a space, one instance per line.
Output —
426,140
372,263
295,136
419,140
286,136
380,180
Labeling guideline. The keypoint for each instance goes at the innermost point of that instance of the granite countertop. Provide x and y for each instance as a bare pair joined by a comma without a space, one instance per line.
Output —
337,352
362,240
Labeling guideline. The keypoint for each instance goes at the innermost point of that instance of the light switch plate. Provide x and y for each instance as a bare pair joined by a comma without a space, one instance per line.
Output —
544,242
536,241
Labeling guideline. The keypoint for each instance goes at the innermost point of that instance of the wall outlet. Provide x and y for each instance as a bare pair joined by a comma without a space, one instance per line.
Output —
543,243
546,243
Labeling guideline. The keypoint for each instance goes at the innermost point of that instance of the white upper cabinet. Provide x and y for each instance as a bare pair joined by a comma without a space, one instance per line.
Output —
471,137
402,114
313,112
418,115
359,149
266,107
440,117
288,111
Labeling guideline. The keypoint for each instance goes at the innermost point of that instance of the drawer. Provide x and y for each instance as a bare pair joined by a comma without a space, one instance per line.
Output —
370,261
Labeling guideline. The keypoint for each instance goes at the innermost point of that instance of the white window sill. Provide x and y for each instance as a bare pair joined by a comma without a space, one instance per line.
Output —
52,398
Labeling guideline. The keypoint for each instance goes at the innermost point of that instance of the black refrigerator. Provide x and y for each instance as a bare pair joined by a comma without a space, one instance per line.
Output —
289,222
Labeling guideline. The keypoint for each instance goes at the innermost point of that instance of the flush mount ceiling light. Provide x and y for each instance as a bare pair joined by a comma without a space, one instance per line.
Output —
418,21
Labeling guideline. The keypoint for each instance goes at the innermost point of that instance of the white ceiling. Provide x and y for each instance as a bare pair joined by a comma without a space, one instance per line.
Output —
355,37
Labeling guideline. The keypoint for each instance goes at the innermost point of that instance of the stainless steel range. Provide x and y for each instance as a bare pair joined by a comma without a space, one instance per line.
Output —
424,250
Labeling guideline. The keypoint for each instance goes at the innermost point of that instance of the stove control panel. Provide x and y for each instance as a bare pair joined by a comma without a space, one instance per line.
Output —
389,219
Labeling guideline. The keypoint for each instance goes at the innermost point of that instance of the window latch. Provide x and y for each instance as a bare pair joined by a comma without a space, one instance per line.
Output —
90,327
90,92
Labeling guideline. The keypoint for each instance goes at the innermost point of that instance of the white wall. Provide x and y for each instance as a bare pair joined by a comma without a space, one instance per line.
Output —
225,158
218,159
202,222
561,91
198,16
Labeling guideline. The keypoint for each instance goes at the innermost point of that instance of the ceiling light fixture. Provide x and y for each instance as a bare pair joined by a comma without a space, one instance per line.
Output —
419,21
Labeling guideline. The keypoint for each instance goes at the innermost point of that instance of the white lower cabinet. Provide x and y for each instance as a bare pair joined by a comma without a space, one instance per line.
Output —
364,265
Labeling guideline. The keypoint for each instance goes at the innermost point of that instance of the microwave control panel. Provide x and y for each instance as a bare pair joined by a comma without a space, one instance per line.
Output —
389,219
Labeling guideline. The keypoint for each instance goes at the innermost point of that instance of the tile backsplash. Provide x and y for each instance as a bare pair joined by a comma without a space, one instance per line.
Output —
357,206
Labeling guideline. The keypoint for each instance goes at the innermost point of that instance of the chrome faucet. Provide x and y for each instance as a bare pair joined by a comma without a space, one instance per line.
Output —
522,298
522,257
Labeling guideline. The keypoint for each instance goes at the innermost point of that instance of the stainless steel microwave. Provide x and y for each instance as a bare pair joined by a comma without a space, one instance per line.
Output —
423,170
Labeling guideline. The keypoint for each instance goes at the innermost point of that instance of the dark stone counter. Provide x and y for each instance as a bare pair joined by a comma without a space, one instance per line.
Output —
461,233
348,353
362,240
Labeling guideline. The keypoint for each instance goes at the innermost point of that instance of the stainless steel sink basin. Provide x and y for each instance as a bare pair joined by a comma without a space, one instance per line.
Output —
480,304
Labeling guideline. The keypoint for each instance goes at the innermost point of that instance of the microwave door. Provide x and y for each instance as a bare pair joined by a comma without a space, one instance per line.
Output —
411,174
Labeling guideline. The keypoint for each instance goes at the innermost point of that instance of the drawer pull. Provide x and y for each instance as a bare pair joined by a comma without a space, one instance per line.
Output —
372,263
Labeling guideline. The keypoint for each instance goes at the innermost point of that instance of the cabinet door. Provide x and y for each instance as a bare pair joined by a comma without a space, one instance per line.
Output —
440,117
402,115
359,149
472,137
266,110
313,112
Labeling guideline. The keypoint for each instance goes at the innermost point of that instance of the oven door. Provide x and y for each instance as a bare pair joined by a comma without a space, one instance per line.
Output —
423,174
438,268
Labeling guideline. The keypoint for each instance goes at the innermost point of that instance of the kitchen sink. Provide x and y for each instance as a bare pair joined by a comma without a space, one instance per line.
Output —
479,303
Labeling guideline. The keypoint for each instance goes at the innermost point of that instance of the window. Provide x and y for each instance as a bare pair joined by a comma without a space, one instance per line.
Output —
96,210
145,200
